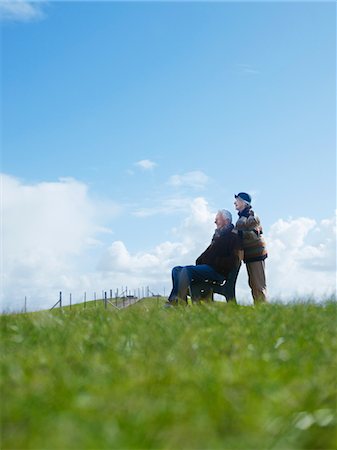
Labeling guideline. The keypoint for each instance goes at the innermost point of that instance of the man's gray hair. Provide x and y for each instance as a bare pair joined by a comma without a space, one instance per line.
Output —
226,214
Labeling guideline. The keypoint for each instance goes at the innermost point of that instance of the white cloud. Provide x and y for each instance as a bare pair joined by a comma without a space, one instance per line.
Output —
46,217
195,179
167,206
302,257
195,228
146,164
198,226
21,10
47,229
118,259
51,244
154,267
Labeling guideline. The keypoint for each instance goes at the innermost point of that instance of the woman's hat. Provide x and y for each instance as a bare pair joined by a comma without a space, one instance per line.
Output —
244,196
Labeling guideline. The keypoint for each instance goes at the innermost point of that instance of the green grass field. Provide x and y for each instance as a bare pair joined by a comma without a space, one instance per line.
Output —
210,376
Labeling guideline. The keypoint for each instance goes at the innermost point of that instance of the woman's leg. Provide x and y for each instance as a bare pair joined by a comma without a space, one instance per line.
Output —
257,281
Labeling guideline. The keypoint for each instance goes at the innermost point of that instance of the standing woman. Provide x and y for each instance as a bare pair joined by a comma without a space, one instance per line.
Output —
254,248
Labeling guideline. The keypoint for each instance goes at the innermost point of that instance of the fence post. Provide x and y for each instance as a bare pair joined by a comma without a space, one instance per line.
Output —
105,302
58,302
70,300
25,304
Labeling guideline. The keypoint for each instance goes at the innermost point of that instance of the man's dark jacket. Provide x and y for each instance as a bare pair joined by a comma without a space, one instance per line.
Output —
222,253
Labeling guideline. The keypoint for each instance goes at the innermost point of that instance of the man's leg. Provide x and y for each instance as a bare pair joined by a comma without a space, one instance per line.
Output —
184,282
173,297
229,288
198,274
257,281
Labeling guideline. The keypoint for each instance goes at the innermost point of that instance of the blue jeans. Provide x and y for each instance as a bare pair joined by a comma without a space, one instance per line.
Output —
182,276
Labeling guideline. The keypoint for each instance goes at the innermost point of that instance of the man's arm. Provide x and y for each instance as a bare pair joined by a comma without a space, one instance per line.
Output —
222,254
203,258
226,262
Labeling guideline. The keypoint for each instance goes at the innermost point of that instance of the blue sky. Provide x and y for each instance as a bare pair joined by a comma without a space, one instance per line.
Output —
150,108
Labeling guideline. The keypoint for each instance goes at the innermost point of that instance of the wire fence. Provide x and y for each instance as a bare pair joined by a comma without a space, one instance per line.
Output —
119,299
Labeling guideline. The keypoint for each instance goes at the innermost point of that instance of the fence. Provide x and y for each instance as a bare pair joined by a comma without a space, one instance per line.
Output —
121,299
118,301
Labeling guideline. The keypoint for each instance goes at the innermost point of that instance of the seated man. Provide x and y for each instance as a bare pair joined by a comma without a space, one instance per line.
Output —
218,262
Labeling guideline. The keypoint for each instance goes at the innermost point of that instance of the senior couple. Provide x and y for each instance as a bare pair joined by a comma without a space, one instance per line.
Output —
221,261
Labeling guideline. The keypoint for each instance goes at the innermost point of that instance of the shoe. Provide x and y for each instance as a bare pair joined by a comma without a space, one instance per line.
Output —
171,303
168,305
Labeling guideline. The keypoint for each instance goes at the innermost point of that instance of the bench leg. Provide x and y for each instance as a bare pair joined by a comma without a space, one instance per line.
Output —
201,292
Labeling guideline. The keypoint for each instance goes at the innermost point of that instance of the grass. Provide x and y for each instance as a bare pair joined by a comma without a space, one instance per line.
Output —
204,377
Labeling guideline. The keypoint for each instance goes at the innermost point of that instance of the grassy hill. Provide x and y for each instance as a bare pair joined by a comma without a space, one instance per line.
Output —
203,377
